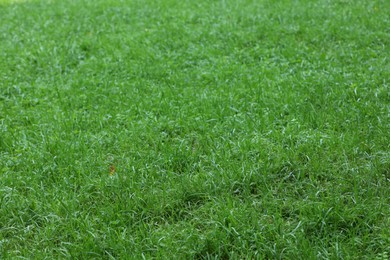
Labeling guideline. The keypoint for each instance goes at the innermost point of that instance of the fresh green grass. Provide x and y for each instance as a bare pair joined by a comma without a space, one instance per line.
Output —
238,129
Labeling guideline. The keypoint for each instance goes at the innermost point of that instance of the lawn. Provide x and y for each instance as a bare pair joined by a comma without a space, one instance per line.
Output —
224,129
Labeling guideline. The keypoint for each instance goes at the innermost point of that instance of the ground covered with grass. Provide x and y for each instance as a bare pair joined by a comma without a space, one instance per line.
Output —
195,129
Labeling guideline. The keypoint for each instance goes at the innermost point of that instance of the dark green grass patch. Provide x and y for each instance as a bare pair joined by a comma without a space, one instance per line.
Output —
194,129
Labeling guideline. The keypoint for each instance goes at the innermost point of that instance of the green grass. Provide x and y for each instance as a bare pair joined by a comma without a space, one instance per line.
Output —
238,129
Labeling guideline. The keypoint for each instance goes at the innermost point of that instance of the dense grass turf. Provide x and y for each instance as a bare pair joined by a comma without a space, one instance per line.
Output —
195,129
